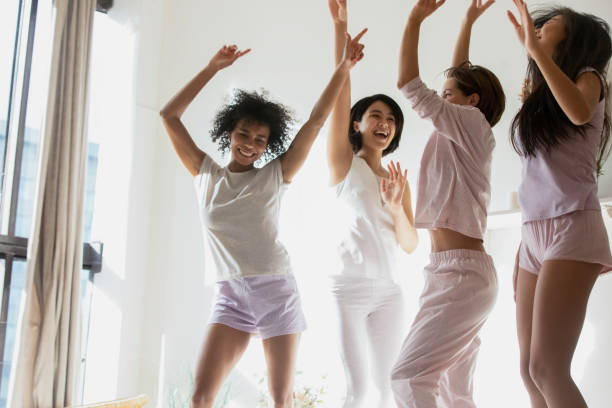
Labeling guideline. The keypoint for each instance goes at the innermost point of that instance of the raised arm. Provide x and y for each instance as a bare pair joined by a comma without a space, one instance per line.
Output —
339,149
461,54
395,192
579,99
190,155
295,156
409,54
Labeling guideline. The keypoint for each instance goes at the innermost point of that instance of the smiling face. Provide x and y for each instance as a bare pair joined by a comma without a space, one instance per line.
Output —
248,141
377,126
551,33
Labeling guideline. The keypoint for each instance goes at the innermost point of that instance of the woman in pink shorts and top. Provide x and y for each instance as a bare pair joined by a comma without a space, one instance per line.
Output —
438,357
239,210
377,209
562,135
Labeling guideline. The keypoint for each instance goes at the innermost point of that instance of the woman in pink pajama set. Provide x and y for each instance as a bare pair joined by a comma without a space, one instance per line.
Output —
562,135
379,216
438,357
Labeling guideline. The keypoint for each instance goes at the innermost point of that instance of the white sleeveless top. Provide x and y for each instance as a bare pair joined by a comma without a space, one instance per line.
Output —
368,248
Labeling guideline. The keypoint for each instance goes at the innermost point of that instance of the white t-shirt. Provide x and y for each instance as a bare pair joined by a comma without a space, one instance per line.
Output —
369,247
239,214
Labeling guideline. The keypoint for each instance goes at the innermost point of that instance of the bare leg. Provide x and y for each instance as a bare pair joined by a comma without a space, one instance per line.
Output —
525,293
222,349
281,353
561,298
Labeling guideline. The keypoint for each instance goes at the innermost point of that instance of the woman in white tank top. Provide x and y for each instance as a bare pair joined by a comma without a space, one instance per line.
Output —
379,218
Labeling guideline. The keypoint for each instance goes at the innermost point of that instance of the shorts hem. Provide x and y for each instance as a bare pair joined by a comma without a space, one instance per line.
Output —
232,325
282,333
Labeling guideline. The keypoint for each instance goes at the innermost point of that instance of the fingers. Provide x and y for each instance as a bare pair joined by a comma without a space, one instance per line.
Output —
439,4
361,34
241,53
383,185
487,5
513,20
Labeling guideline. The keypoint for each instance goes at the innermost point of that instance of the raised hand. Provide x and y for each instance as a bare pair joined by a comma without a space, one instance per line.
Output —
525,30
476,10
337,9
392,189
353,49
424,8
226,56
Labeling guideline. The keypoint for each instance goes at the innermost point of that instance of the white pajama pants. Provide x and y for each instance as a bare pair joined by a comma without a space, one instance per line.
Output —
371,318
437,360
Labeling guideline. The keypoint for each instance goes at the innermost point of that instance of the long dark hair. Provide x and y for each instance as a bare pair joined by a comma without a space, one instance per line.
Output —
359,109
541,124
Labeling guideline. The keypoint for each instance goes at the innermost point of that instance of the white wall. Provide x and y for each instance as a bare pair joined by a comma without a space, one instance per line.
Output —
124,121
151,303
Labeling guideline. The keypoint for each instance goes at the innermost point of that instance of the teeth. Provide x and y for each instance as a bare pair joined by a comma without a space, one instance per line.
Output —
242,152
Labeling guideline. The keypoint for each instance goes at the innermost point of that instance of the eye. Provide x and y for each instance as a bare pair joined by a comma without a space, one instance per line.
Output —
260,142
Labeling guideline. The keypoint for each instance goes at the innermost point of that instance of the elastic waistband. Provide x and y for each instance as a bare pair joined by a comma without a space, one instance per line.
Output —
458,255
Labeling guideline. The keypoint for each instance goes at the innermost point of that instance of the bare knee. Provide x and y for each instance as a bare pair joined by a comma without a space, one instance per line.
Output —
526,372
545,373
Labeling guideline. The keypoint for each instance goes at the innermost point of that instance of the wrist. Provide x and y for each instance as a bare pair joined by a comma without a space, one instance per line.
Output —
340,26
212,68
344,65
468,22
535,52
415,20
395,209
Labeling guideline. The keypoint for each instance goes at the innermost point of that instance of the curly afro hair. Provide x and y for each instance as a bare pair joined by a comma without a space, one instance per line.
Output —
256,107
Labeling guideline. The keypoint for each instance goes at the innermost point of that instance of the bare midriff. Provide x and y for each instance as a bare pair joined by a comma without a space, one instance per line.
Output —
443,239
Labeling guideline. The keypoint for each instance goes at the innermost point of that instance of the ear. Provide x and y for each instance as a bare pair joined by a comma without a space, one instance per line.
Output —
474,99
355,126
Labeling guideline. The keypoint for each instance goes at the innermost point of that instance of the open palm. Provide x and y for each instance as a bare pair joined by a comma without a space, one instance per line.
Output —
477,9
392,189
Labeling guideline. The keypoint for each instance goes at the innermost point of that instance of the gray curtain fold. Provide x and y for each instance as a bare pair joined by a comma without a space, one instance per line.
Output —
47,353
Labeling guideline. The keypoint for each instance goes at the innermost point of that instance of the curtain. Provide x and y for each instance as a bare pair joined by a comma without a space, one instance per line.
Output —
47,352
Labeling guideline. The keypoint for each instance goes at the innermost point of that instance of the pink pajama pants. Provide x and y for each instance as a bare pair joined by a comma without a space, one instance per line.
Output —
437,360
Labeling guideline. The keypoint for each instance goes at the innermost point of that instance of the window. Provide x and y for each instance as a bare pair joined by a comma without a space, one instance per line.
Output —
25,35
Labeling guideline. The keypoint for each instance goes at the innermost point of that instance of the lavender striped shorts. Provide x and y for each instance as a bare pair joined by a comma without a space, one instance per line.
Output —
268,305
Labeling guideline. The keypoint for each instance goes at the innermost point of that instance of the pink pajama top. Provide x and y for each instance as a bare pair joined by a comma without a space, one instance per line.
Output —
565,179
454,188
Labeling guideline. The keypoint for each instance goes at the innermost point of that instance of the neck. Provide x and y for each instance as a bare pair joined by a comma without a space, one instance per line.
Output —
372,157
236,167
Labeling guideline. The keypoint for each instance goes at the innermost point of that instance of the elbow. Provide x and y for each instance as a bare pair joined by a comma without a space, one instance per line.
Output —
581,120
166,113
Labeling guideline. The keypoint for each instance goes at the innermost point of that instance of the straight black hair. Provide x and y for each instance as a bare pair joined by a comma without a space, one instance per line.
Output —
541,124
359,109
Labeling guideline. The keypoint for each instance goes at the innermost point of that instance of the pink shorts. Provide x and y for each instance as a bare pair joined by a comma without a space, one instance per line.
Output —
577,236
268,305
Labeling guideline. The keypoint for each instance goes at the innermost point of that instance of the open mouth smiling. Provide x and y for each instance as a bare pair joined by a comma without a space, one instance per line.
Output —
246,153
